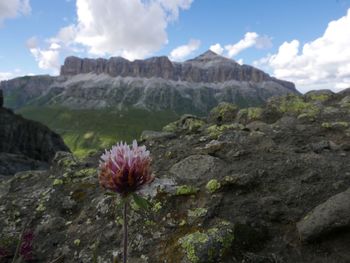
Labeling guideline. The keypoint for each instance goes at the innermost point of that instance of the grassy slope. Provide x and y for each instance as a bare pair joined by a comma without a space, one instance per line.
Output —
85,131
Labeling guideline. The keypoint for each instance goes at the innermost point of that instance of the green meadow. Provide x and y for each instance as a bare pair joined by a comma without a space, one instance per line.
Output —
86,131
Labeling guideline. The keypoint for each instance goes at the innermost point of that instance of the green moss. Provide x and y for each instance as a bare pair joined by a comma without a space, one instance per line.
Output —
185,123
215,131
156,207
224,112
210,245
318,97
77,242
190,242
197,212
86,172
296,105
186,190
57,182
171,127
341,125
41,207
193,125
213,185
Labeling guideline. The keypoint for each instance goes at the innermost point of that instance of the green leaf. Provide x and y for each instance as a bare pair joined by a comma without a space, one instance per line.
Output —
141,202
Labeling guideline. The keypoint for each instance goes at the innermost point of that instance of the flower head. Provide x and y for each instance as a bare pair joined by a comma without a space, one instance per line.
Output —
125,169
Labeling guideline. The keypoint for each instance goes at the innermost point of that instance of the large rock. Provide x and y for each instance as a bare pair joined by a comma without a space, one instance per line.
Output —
29,142
327,217
195,167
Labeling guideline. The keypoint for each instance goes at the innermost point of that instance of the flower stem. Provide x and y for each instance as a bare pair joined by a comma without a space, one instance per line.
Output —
125,255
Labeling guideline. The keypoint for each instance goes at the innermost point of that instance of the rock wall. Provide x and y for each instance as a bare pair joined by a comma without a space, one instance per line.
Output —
208,67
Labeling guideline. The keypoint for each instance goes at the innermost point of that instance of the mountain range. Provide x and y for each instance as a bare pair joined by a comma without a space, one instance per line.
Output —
94,102
193,86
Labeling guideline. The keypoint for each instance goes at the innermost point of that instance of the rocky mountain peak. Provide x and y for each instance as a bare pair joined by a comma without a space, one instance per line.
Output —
210,56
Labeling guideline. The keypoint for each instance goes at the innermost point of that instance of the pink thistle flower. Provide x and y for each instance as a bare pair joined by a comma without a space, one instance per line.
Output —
125,169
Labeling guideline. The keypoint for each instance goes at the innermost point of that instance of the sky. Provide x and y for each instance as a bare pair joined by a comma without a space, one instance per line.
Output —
303,41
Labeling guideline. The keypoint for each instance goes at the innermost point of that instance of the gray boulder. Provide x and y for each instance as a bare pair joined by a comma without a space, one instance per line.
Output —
326,217
196,168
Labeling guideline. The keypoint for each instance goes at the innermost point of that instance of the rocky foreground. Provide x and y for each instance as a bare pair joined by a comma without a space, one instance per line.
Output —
253,185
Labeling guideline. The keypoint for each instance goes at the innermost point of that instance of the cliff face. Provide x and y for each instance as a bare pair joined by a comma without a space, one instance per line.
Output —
25,144
208,68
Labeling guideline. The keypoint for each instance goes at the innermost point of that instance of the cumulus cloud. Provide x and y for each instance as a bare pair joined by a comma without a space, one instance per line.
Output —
251,39
217,48
248,41
13,8
321,63
47,59
134,29
6,75
184,51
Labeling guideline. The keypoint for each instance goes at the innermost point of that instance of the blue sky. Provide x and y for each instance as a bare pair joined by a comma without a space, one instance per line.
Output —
302,41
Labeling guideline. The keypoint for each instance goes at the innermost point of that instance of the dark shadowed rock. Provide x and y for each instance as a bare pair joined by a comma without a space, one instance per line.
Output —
26,144
327,217
1,99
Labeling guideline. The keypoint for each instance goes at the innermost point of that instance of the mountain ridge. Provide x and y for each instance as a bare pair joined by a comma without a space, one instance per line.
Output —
208,67
193,86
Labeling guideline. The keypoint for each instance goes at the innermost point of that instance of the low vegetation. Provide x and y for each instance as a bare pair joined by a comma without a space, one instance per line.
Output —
85,131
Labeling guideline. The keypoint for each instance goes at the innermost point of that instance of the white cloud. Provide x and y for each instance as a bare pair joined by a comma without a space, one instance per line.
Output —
5,75
251,39
321,63
217,48
134,29
184,51
13,8
47,58
248,41
129,28
240,61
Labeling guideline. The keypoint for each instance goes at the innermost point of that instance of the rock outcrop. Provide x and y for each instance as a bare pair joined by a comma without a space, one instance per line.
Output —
243,190
194,86
25,144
